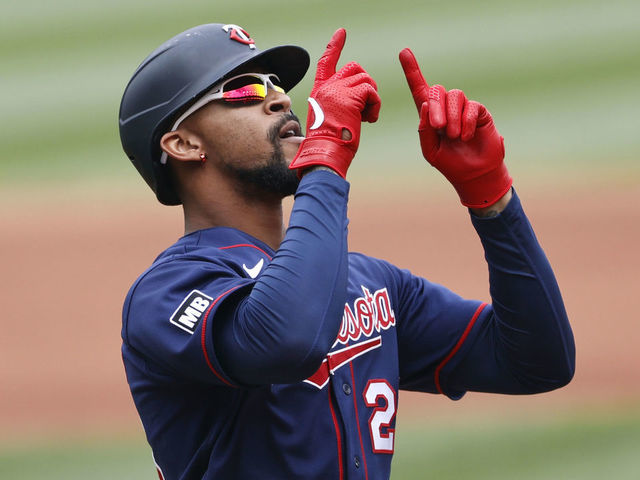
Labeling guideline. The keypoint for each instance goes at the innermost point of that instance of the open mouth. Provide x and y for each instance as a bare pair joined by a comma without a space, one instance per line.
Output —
291,129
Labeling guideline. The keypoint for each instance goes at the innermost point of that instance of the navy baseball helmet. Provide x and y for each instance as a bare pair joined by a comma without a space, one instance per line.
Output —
175,75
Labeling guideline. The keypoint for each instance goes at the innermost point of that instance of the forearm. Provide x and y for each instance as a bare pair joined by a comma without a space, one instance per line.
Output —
281,332
527,344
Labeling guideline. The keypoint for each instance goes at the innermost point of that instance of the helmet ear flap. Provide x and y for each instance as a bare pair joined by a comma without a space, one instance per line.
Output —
174,76
166,191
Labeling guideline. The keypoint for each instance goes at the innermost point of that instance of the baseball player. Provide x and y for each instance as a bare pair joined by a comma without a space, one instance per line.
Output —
255,352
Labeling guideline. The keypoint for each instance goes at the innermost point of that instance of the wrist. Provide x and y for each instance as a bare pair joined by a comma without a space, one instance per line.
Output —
496,208
323,151
318,168
487,189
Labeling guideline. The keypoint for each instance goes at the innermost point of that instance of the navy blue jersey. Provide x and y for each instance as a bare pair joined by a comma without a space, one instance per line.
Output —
245,362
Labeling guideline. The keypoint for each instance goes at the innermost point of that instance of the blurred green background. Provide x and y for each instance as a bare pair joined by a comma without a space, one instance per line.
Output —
560,78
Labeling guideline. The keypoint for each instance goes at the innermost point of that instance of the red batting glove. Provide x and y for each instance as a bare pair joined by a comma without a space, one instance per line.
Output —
338,102
459,138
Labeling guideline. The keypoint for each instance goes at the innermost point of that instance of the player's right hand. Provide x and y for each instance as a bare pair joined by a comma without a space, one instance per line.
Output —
338,103
459,138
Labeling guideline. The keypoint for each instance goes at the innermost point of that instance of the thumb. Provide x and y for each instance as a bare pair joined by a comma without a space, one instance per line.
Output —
371,110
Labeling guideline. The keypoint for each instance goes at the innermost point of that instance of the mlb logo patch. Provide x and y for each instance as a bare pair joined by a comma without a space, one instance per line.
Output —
190,311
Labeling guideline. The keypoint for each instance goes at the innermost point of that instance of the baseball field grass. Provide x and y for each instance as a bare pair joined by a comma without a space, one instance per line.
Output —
560,78
574,448
580,447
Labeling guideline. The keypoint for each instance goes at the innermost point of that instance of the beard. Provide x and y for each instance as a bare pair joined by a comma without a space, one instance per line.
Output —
272,178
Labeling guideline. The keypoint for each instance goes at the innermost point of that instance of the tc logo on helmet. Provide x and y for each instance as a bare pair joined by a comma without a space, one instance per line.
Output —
239,34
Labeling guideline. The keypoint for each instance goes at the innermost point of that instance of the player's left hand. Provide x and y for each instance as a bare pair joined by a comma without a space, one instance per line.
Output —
459,138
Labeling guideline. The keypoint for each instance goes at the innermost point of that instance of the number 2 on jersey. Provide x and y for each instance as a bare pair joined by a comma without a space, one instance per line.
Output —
380,395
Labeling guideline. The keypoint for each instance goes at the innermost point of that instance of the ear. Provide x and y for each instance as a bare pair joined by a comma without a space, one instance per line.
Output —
181,145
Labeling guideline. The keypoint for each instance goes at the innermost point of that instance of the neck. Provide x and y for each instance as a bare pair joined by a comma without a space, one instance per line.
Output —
261,218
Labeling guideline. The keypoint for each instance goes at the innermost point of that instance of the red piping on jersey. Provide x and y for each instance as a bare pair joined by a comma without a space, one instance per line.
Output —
203,336
338,359
455,349
246,245
158,469
355,406
339,440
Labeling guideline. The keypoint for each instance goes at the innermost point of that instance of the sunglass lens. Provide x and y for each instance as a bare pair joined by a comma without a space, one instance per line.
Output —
248,88
245,93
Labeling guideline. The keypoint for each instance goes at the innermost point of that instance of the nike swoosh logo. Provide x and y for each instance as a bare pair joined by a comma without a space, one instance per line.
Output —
255,270
317,112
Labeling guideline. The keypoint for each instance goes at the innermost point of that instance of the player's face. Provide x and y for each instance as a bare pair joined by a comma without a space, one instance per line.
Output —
252,142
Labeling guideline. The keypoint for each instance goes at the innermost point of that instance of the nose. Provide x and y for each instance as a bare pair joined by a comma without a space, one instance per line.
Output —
277,102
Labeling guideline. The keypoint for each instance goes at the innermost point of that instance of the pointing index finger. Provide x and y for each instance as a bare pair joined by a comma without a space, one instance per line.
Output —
329,60
417,84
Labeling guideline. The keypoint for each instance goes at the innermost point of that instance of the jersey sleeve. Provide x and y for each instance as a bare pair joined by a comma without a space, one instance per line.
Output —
520,343
433,324
169,314
284,329
203,319
525,342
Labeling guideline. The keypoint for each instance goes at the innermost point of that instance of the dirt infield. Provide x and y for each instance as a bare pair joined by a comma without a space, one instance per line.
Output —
66,268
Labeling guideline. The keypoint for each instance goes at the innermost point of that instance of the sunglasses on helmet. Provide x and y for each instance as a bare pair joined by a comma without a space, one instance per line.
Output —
243,88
